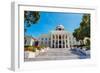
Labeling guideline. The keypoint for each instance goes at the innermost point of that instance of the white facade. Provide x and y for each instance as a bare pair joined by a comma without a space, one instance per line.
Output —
58,38
44,40
28,41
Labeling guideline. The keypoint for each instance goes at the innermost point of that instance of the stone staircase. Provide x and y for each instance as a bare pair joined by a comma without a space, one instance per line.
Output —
55,54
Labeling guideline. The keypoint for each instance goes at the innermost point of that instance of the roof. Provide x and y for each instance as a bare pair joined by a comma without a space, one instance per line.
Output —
34,38
27,36
60,27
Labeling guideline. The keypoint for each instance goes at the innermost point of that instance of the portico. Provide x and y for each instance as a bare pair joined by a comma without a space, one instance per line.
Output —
58,38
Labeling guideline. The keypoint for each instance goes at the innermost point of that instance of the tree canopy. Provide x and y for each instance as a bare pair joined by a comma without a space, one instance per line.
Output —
84,28
30,18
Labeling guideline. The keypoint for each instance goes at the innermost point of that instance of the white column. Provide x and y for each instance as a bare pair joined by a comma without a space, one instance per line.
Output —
61,41
65,40
54,41
68,42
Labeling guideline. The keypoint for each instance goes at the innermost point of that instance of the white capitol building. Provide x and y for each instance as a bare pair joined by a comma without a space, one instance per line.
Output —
59,41
58,38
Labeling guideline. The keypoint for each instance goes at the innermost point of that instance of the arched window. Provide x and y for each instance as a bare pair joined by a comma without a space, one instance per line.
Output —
59,36
60,42
53,46
53,36
56,41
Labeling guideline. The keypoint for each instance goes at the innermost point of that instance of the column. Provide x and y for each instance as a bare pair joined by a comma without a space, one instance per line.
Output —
68,42
54,41
61,41
65,40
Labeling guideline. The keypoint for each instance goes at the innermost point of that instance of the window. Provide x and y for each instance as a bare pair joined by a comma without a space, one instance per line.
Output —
59,36
56,42
42,38
53,36
59,42
46,39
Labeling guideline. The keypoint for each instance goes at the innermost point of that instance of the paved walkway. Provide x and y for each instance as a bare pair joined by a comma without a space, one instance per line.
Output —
55,54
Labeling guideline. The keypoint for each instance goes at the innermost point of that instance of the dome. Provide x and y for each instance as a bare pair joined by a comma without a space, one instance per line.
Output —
60,27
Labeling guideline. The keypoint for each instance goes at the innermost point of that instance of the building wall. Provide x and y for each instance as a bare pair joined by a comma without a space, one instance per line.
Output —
28,41
54,39
57,39
44,40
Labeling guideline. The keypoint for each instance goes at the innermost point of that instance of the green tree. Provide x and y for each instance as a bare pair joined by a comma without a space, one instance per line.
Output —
85,25
84,29
30,18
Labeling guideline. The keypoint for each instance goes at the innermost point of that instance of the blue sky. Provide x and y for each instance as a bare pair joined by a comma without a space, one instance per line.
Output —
49,20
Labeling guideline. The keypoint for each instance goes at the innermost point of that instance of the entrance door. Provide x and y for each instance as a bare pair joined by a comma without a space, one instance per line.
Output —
59,46
59,43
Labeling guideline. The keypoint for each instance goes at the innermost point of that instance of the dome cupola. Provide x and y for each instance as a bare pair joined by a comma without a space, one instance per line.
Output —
60,27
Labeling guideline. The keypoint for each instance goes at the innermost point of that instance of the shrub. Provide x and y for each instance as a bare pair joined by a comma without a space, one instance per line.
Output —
88,44
25,49
42,47
30,48
34,49
39,48
87,47
27,46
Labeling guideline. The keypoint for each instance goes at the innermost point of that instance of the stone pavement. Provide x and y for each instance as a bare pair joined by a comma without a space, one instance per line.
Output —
55,54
